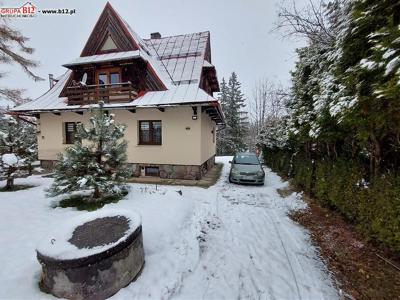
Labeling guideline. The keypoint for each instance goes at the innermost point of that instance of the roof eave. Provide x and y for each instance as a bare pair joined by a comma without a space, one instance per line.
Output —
73,109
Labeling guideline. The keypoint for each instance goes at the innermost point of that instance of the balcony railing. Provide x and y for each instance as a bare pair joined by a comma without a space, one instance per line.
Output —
109,93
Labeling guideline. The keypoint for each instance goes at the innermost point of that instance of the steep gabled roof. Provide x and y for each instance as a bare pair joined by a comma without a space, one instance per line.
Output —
111,24
177,62
174,60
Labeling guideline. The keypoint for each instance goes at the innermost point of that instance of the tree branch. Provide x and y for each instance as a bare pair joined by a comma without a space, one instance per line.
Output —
9,38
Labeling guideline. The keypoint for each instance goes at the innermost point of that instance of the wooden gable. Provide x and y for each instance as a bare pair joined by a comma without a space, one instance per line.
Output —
109,29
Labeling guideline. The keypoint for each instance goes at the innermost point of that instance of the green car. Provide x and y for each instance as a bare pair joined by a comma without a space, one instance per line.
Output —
247,169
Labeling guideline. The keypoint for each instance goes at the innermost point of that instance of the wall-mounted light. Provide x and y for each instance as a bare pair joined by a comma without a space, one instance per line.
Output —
194,116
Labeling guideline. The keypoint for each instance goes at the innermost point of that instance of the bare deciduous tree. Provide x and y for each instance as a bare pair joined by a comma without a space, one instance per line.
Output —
310,21
267,105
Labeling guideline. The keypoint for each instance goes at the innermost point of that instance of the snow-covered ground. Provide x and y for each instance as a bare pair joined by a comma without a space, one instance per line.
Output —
225,242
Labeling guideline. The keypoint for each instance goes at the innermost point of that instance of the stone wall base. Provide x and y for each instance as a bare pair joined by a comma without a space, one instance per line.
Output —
176,171
165,171
48,164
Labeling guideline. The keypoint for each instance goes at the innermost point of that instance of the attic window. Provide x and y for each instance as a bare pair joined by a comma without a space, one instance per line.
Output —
109,44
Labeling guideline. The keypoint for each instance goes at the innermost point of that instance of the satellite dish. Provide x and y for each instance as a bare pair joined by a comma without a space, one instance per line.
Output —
84,79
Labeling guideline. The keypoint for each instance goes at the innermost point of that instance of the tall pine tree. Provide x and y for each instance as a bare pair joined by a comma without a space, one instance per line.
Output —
231,138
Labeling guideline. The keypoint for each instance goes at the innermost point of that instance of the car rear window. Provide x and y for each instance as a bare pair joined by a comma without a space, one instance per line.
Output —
243,159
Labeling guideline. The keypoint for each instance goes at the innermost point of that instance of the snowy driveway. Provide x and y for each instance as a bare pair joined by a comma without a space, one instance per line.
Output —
225,242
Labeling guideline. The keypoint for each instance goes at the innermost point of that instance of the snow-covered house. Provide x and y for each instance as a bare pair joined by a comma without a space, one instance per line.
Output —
161,88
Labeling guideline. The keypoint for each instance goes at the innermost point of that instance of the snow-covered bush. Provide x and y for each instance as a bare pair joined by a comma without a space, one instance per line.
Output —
11,167
96,161
17,149
274,135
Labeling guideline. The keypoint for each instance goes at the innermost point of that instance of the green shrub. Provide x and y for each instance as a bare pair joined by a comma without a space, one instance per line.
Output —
81,202
302,172
323,178
374,207
380,210
278,160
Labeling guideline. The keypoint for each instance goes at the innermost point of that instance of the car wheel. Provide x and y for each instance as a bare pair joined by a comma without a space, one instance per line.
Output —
230,180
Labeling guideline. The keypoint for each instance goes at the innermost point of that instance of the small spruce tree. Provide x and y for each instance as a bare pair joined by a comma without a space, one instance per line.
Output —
96,161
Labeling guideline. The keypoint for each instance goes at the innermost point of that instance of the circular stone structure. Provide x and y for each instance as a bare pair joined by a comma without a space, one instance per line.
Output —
92,256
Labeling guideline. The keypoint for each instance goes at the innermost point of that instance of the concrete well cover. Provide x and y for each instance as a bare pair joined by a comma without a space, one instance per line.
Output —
92,256
99,232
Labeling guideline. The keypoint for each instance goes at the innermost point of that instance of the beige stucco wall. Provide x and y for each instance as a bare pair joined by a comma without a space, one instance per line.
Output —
50,133
208,141
184,141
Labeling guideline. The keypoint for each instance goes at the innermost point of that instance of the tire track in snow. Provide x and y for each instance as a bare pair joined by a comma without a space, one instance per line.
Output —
287,257
257,252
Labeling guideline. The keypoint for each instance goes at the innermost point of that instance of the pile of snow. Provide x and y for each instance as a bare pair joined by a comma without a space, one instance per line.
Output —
10,159
56,245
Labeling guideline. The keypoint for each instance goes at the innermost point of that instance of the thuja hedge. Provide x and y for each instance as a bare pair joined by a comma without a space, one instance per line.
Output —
374,207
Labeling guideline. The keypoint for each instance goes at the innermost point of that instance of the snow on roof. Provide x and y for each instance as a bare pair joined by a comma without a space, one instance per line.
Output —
158,69
176,60
125,55
104,58
181,56
146,54
56,244
48,100
182,94
206,64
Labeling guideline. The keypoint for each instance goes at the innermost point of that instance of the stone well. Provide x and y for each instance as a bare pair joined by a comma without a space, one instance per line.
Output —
92,256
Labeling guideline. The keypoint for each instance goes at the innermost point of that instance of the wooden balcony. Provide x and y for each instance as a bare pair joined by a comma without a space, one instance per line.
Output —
109,93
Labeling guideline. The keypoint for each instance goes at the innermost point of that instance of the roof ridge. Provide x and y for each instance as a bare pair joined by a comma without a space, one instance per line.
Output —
146,52
177,35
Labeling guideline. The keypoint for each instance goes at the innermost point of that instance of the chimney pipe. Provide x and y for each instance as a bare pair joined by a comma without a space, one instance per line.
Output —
155,35
51,80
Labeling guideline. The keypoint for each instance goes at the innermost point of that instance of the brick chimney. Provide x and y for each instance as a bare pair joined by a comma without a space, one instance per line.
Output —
155,35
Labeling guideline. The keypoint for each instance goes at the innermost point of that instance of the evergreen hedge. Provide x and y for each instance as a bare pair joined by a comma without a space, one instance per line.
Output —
341,185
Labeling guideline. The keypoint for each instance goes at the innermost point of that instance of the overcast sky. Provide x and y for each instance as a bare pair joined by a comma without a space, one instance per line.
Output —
241,37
